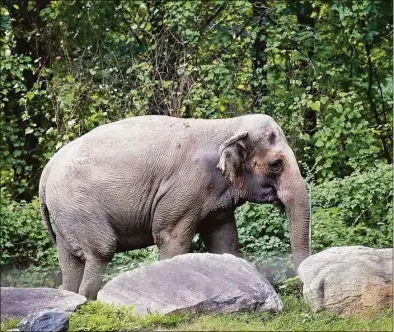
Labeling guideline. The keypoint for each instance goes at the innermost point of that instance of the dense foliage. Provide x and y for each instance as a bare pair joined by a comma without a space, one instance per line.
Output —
24,240
322,69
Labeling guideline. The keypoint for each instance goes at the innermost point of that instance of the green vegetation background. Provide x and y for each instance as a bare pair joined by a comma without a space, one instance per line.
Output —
322,69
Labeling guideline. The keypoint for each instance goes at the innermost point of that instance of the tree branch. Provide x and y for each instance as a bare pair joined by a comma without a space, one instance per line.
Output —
372,102
214,15
129,26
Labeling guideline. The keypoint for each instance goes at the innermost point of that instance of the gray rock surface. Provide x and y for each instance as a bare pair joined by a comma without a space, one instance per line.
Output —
193,282
20,302
46,320
348,280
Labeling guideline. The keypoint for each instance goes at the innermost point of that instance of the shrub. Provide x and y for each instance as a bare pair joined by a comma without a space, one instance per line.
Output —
356,210
24,239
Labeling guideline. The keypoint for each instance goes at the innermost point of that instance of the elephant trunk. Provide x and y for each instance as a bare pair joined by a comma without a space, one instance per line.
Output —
293,194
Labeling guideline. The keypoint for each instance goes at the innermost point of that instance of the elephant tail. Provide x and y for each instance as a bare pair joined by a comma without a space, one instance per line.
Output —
44,209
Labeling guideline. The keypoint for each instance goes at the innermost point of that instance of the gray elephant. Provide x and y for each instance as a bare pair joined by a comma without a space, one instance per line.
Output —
159,180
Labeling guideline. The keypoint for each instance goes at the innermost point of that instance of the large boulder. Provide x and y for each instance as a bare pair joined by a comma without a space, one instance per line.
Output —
20,302
348,280
46,320
193,282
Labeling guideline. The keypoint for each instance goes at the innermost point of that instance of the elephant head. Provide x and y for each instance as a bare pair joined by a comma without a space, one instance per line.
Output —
262,167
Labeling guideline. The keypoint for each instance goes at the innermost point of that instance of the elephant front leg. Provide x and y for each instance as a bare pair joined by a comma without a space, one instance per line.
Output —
219,234
175,241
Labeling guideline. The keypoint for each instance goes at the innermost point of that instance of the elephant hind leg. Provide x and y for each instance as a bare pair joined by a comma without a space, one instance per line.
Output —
92,277
72,267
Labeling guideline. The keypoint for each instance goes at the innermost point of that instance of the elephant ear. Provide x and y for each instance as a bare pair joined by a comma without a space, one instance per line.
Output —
232,153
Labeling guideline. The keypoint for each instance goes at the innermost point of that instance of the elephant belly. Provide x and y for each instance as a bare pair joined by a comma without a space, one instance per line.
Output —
137,240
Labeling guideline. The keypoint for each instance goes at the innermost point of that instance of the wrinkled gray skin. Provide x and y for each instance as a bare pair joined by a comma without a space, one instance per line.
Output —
159,180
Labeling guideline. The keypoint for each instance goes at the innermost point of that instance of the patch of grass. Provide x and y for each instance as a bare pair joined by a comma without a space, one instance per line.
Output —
95,316
295,317
9,323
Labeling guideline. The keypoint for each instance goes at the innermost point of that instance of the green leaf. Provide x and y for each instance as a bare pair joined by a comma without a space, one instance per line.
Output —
30,95
319,143
17,153
315,106
324,99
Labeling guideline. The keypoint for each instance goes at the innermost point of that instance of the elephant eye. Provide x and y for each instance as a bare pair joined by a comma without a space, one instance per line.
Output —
275,165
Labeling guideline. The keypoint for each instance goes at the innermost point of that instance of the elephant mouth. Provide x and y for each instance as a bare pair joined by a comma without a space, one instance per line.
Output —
278,203
269,195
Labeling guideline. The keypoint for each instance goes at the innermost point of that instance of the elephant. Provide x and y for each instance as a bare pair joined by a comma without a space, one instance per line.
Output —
159,180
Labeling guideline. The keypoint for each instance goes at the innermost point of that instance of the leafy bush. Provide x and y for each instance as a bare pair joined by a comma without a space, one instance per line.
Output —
24,239
356,210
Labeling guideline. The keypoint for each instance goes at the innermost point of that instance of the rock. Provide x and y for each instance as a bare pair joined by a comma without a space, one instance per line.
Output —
13,330
348,280
193,282
46,320
20,302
